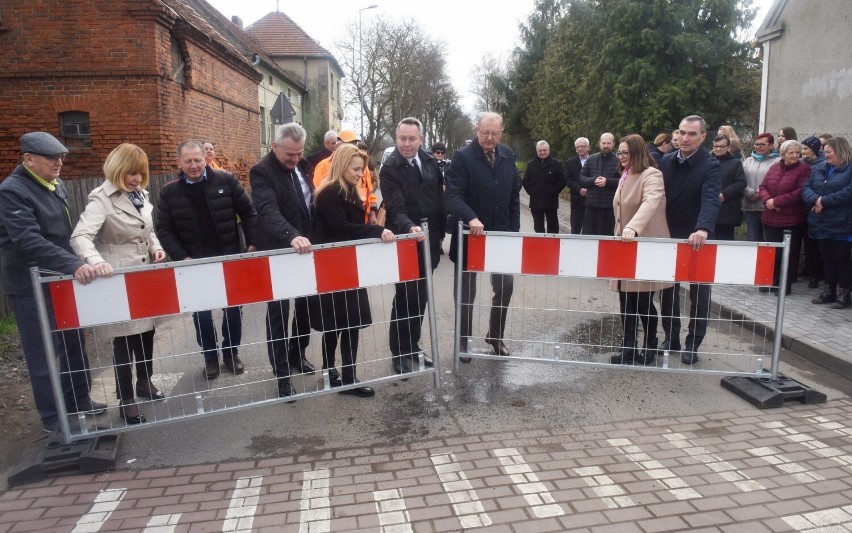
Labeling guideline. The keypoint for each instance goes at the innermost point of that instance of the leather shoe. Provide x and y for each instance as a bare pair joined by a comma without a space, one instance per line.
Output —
361,392
88,406
401,365
499,346
285,389
668,346
646,357
147,390
689,357
302,366
234,365
211,370
415,360
626,355
334,377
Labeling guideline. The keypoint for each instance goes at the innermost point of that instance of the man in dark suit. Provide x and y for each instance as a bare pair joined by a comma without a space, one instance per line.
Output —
573,168
600,178
412,187
282,190
693,178
483,189
543,181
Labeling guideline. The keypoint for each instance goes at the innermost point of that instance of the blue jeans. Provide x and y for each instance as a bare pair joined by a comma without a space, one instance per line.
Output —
754,227
232,332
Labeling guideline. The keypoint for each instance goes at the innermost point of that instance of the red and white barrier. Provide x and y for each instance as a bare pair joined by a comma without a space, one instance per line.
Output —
177,289
658,260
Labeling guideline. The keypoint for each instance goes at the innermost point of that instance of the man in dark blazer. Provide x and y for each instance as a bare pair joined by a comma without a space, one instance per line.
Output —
543,181
412,187
282,190
692,177
600,178
483,189
573,168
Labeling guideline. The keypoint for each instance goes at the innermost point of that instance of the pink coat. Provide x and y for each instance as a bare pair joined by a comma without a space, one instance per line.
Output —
783,184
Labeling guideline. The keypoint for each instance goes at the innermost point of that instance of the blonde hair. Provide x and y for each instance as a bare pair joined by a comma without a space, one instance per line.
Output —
123,160
734,142
340,161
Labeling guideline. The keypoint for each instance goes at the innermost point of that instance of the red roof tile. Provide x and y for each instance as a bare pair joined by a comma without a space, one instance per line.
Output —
280,36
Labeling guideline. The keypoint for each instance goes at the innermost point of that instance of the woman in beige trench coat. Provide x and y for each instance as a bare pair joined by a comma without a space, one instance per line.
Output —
116,230
640,211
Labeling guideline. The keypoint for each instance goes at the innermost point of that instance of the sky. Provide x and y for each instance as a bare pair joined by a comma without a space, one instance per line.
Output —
471,28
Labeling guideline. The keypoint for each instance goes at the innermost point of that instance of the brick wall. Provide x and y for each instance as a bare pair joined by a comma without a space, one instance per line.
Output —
112,59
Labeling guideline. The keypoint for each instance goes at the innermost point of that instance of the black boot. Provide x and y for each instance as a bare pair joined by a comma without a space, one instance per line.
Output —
648,353
843,299
827,296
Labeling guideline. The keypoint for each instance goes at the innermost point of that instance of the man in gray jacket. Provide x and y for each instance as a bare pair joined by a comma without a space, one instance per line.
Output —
35,229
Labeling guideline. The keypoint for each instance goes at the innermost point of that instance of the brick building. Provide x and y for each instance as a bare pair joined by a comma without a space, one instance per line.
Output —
97,73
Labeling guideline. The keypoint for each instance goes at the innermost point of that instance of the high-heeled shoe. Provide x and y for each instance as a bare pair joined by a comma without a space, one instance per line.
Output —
139,418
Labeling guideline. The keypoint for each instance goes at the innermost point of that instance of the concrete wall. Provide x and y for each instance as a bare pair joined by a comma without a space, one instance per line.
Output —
810,71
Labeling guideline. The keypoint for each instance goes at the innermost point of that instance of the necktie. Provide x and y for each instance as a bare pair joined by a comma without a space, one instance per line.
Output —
297,186
491,158
416,164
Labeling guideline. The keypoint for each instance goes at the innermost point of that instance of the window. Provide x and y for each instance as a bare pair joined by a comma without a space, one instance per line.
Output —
178,62
74,126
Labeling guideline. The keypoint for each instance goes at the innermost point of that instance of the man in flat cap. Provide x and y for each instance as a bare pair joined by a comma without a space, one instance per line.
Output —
35,229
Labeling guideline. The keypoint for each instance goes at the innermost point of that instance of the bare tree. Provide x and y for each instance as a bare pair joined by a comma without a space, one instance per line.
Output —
486,77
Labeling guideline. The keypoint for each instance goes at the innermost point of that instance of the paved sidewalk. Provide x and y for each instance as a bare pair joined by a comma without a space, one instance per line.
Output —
782,470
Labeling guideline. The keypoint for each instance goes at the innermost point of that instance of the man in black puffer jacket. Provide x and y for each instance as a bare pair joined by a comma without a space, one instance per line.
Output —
197,217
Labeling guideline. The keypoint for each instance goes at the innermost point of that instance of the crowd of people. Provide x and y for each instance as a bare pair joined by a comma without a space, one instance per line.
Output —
669,187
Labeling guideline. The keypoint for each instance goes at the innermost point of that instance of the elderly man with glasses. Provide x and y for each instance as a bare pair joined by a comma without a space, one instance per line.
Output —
35,228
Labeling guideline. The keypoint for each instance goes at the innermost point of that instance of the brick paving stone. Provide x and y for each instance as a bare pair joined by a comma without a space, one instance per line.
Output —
709,518
751,527
656,525
742,514
617,528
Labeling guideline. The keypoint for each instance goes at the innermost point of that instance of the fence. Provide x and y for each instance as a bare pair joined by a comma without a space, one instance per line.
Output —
170,293
561,308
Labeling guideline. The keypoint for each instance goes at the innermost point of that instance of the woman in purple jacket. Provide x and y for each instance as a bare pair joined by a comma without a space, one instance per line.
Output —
781,194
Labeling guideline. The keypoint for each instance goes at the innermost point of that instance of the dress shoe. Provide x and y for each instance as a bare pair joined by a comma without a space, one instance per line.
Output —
234,365
211,370
334,377
415,360
646,357
49,426
146,389
625,356
401,365
361,392
302,366
668,346
87,406
689,357
132,420
285,389
499,346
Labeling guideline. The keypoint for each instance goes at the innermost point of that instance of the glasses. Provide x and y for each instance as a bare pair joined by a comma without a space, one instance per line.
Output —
761,144
438,152
720,146
619,154
54,158
493,134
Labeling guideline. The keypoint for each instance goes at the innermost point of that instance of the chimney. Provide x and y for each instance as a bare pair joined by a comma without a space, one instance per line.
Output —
238,21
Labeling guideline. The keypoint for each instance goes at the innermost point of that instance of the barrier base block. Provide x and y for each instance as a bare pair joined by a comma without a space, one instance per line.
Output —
49,456
766,393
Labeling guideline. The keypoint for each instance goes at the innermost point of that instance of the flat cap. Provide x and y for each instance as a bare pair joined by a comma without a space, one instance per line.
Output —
42,143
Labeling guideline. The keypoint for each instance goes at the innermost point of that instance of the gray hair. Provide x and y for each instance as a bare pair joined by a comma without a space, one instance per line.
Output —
411,121
696,118
790,143
330,135
488,114
292,131
190,143
541,144
582,139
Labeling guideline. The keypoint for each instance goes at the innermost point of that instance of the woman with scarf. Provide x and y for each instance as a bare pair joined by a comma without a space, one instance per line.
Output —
756,167
116,231
640,211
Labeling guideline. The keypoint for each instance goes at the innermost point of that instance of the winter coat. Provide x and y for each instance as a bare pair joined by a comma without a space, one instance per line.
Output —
733,185
543,181
656,154
755,171
692,192
640,204
573,168
783,184
834,186
600,165
338,219
35,228
176,222
282,214
111,229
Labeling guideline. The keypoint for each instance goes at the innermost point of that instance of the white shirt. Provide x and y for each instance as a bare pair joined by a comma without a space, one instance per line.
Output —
306,189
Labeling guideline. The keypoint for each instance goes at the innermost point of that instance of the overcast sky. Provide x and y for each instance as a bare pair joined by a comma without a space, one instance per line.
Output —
469,27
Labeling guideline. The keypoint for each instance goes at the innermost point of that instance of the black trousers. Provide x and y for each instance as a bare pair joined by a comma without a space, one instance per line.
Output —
636,307
285,352
699,313
348,352
502,285
540,216
813,257
577,216
724,232
776,234
124,349
836,262
409,305
598,221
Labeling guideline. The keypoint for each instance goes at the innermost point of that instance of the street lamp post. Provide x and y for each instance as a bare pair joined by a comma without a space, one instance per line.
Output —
361,66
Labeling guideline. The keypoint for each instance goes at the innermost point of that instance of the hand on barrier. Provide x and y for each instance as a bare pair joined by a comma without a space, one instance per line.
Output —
103,269
388,236
417,229
628,234
476,227
159,256
697,239
301,244
251,249
85,274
